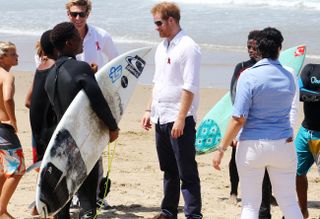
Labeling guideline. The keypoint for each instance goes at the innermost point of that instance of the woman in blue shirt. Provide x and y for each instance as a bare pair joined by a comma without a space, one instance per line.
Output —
261,111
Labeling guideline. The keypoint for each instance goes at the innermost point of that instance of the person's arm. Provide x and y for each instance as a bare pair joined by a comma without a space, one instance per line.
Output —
97,100
191,80
294,106
8,94
241,108
27,101
145,121
234,126
295,102
185,103
109,48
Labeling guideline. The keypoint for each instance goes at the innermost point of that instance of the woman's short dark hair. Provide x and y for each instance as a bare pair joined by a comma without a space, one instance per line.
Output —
61,33
269,41
46,44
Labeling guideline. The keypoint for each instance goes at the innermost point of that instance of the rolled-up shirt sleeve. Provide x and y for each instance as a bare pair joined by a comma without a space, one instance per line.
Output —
243,99
191,72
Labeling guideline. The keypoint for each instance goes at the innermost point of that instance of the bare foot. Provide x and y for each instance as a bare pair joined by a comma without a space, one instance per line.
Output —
34,211
6,216
233,200
305,214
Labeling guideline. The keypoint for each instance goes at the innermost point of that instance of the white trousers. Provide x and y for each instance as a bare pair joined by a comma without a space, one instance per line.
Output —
280,159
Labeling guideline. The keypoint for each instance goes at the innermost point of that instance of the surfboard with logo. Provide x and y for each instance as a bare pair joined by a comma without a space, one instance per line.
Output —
213,126
81,136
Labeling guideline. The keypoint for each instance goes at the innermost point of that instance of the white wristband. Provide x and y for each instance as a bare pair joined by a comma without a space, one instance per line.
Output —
222,149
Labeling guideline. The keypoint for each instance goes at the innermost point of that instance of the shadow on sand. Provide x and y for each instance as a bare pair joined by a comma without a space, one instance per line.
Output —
131,212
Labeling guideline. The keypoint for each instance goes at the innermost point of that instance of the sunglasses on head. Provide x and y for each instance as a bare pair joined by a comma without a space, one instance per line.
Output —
75,14
158,23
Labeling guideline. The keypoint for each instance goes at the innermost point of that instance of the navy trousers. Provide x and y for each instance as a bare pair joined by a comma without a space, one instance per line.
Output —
177,161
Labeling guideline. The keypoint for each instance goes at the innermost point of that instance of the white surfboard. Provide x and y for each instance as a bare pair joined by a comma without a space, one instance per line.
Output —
81,136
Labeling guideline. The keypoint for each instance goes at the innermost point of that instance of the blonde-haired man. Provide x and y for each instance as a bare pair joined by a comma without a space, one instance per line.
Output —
97,44
172,109
12,165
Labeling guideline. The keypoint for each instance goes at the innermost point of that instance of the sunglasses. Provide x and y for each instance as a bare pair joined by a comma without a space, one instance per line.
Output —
252,47
158,23
75,14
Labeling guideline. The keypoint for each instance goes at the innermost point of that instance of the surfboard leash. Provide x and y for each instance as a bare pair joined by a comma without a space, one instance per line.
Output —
110,160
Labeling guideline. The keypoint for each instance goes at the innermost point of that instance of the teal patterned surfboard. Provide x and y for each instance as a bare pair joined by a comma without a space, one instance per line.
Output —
213,126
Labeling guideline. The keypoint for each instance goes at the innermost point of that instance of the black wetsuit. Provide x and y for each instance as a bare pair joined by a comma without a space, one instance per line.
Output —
64,81
72,76
42,117
236,74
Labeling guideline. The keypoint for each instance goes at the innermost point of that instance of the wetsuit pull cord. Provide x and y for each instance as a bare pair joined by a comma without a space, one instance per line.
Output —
110,159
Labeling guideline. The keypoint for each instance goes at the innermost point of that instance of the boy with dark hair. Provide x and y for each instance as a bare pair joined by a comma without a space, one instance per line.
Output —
69,77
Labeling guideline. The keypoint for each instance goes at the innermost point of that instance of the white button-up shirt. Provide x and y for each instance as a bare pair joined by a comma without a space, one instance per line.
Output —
177,68
96,44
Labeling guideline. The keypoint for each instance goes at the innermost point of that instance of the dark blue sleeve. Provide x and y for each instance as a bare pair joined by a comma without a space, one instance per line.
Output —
308,92
98,103
234,79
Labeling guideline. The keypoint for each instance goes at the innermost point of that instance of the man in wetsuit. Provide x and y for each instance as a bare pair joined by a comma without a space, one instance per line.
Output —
64,81
308,138
240,67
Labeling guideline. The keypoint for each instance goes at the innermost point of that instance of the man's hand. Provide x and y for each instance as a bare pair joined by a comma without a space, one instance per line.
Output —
177,128
94,67
113,135
145,121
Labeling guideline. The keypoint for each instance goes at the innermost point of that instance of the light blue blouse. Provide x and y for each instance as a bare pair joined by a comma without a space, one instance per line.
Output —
264,97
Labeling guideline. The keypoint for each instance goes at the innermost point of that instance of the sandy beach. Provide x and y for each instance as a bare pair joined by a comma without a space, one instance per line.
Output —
220,28
136,190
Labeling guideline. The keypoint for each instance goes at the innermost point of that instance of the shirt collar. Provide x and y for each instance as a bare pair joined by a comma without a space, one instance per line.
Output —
267,61
89,33
176,38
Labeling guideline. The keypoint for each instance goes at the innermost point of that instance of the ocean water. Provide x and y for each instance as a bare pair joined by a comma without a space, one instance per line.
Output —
220,27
